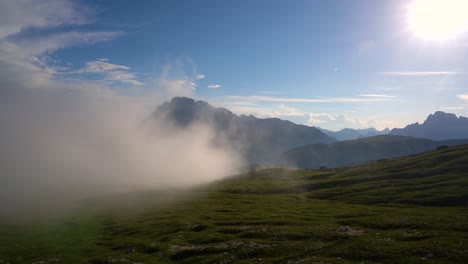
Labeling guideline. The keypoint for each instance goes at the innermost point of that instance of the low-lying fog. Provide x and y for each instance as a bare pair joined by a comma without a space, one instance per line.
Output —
65,141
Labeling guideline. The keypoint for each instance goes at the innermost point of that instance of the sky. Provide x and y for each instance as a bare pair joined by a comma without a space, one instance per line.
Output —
326,63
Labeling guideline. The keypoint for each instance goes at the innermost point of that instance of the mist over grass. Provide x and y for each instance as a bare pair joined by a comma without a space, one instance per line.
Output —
71,132
64,142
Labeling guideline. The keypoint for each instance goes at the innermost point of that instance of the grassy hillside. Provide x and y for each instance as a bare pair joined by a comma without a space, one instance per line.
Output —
405,210
360,151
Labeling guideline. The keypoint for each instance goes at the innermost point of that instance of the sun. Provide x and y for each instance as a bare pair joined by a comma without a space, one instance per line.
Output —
438,19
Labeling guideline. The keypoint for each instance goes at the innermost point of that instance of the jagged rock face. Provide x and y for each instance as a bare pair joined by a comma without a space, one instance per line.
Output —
182,111
438,126
259,140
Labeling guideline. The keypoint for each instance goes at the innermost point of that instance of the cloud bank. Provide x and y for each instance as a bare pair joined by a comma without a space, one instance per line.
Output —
67,142
65,139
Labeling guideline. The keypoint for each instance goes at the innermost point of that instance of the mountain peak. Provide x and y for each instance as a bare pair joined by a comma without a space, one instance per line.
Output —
350,134
440,116
438,126
259,139
182,100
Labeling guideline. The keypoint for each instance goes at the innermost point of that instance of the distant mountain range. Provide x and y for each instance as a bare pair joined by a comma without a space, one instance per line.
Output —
360,151
258,139
438,126
350,134
264,140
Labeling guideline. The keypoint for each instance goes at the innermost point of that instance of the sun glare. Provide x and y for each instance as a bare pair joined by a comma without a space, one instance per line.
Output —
438,19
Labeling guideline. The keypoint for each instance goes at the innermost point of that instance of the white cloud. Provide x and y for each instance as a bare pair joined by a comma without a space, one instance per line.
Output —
325,120
174,82
214,86
319,118
231,103
309,100
288,111
451,108
74,139
18,15
16,66
378,95
270,92
283,111
250,108
463,97
419,73
29,56
100,66
175,87
193,85
111,72
132,82
200,76
339,121
124,77
260,112
56,41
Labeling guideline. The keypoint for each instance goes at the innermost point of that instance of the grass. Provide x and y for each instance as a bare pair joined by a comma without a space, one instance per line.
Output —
405,210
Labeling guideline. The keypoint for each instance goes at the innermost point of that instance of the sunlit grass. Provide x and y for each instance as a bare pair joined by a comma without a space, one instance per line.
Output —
407,210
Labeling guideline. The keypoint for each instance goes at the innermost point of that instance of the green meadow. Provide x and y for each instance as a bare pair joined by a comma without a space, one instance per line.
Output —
403,210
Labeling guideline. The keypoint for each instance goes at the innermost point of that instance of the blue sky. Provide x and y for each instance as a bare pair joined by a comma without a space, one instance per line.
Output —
327,63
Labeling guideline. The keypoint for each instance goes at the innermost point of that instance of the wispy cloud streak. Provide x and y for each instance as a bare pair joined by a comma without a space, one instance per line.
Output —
419,73
100,66
111,72
214,86
17,16
309,100
378,95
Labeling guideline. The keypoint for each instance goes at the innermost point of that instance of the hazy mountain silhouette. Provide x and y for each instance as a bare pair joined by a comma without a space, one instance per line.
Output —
359,151
438,126
258,139
350,134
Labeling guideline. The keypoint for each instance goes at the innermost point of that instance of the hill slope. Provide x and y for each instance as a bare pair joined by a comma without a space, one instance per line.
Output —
354,152
438,126
350,134
405,210
259,139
